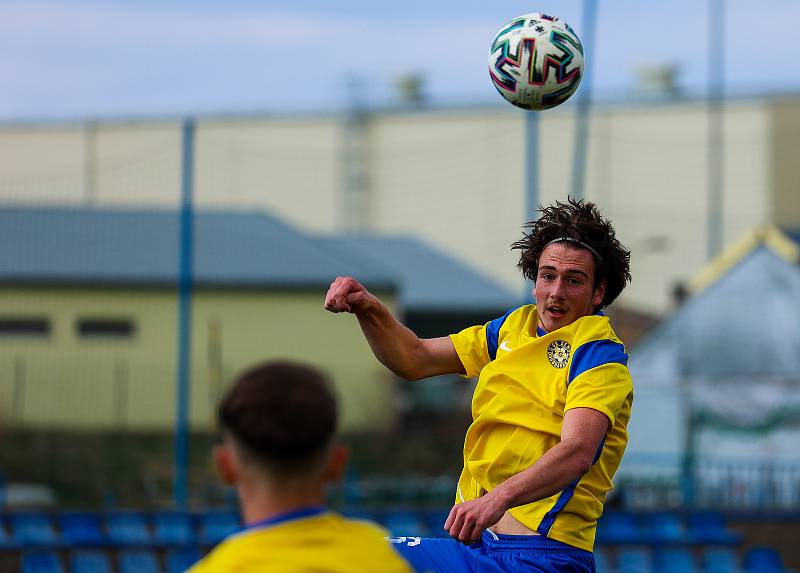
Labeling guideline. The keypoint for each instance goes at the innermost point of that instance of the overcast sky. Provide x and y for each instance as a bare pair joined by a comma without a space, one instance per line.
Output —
92,58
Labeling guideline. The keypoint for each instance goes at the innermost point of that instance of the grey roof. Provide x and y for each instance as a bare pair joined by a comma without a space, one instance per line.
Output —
232,249
140,247
430,279
744,325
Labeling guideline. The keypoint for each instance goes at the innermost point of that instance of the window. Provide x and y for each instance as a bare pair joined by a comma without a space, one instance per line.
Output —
24,326
105,328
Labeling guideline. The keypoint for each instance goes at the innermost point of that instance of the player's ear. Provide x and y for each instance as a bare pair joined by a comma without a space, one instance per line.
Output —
225,464
337,462
599,294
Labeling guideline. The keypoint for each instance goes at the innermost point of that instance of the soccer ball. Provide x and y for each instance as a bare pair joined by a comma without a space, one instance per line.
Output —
536,61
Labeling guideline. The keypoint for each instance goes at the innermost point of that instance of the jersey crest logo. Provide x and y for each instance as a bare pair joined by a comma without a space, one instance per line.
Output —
558,353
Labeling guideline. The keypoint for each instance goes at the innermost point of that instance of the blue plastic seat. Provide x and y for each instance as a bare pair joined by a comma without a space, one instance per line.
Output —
179,560
81,529
434,522
128,529
138,561
675,560
602,561
216,526
41,562
708,528
720,560
637,560
173,528
34,530
403,523
665,528
5,539
619,528
763,560
85,561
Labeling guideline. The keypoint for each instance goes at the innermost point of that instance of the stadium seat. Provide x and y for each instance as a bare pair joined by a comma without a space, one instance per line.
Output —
81,529
434,522
403,523
179,560
637,560
5,539
762,560
720,560
128,529
138,561
619,528
602,561
33,530
708,528
83,561
358,513
675,560
173,528
216,526
665,528
41,562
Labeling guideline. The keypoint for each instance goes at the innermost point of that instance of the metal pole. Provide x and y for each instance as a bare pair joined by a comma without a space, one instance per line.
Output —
716,78
186,238
584,101
531,176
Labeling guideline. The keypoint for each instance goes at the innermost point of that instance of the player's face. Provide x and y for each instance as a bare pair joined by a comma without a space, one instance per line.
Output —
564,288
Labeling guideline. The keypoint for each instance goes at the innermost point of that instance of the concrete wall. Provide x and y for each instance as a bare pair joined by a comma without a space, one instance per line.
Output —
63,380
452,177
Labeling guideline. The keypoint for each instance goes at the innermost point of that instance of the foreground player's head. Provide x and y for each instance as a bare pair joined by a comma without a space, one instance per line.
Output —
279,421
575,260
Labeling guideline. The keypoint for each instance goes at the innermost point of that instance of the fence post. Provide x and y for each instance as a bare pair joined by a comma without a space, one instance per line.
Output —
186,241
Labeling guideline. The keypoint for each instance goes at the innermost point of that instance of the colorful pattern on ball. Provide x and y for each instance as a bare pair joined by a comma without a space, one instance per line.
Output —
536,61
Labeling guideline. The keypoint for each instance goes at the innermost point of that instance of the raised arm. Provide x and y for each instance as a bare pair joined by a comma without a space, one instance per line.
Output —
394,345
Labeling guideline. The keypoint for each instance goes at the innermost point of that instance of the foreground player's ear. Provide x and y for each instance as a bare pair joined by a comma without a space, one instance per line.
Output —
337,462
226,467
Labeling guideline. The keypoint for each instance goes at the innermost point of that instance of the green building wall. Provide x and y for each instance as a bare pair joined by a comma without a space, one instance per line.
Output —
63,380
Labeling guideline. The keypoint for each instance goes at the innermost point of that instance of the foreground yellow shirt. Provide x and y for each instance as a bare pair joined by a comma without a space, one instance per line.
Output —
322,543
527,380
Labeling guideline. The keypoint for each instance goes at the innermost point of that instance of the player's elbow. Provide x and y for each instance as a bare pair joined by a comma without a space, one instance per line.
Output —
581,460
409,372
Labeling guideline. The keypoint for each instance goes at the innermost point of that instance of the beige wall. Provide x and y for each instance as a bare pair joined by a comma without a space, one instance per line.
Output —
785,163
454,178
66,381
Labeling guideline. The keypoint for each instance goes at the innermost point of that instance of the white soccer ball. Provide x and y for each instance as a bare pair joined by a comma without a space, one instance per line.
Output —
536,61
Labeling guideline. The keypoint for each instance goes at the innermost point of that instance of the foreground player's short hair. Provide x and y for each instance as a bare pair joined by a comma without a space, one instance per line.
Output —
282,416
580,224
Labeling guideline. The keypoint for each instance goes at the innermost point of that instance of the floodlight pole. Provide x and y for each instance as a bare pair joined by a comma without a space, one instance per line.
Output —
584,101
531,119
185,275
716,140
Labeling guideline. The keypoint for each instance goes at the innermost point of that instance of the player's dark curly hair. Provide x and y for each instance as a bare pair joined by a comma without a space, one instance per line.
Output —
580,220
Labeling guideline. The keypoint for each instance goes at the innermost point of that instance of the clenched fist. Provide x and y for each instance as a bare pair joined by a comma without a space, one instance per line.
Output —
346,294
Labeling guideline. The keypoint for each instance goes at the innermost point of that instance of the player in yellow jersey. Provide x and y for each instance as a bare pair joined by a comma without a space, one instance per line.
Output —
550,410
278,422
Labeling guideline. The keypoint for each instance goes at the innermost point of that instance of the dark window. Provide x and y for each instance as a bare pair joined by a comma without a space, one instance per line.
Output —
24,326
105,328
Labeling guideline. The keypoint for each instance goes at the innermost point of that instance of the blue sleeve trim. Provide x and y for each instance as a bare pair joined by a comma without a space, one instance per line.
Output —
596,353
566,495
493,333
563,500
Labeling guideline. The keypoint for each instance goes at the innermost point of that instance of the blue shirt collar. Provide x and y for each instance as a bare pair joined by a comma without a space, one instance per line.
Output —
288,516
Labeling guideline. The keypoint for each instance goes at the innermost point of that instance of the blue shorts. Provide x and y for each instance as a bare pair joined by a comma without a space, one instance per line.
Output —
494,553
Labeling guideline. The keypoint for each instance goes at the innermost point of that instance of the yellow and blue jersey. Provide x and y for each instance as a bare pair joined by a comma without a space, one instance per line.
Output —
306,540
527,380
